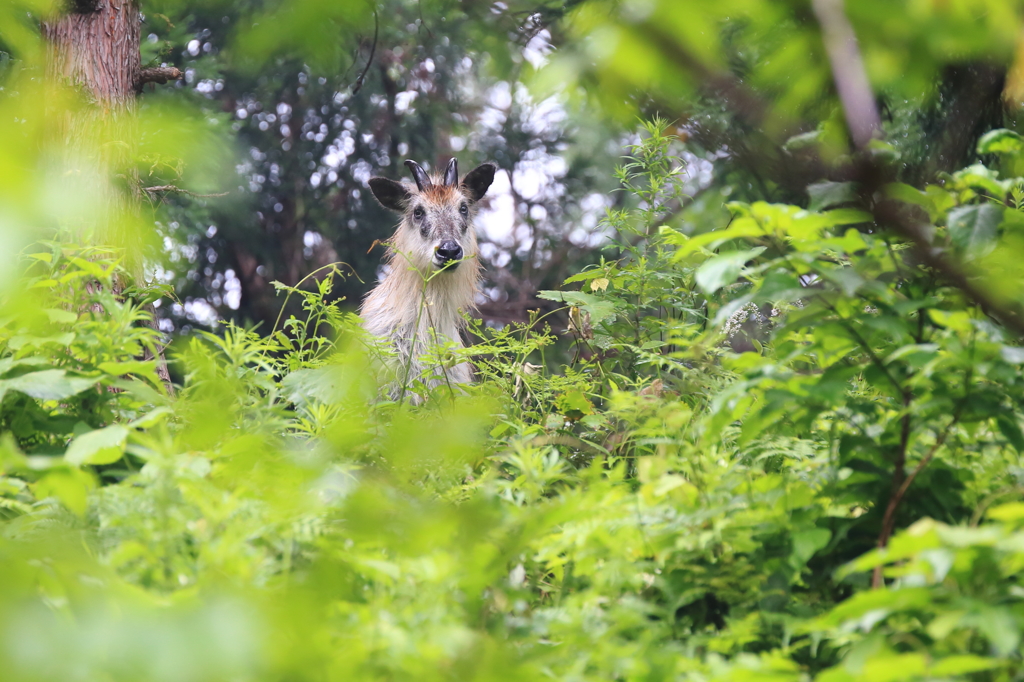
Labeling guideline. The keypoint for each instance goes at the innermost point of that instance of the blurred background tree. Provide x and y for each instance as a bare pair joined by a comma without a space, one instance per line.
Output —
354,96
317,100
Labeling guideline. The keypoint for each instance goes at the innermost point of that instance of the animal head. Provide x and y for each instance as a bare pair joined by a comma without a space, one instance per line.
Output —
436,216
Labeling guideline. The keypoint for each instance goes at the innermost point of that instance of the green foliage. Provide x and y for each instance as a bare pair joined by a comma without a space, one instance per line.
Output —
697,495
770,441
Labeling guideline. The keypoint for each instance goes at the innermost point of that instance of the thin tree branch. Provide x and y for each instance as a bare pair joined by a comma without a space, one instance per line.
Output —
848,71
887,214
889,518
746,104
373,50
178,190
862,116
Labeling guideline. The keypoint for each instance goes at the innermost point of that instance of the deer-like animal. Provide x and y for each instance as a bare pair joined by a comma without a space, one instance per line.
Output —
434,272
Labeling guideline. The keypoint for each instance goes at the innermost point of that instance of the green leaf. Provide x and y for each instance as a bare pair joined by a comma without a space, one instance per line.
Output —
1011,511
1000,141
27,340
145,369
980,177
846,216
882,668
828,194
973,229
963,664
1010,429
70,486
865,607
723,269
935,200
58,316
151,419
598,308
49,384
102,446
574,404
806,543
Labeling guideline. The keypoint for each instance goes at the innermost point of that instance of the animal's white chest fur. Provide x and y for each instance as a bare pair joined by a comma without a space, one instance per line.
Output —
434,274
416,316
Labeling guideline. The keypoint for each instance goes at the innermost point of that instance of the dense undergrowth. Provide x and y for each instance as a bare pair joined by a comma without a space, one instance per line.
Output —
747,414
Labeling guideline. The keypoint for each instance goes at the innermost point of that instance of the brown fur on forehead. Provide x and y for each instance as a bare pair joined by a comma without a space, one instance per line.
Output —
441,194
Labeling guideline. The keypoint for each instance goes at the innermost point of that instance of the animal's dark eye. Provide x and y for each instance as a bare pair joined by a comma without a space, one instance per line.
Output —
418,213
464,209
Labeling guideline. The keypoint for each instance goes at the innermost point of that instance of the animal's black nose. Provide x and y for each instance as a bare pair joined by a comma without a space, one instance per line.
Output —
449,251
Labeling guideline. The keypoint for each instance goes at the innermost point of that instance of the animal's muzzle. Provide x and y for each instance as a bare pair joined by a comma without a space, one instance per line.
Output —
447,252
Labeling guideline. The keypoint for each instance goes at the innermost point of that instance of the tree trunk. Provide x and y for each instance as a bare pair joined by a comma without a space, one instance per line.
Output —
94,48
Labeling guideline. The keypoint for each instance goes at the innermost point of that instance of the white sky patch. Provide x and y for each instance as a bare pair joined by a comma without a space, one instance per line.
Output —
339,151
404,101
199,310
310,242
546,115
496,220
232,289
500,96
594,207
362,171
537,50
536,175
499,99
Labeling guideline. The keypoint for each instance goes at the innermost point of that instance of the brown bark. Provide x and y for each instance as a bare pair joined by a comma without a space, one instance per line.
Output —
98,51
94,48
158,74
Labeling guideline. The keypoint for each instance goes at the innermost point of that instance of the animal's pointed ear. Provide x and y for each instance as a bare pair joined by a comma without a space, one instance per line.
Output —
451,173
478,180
390,194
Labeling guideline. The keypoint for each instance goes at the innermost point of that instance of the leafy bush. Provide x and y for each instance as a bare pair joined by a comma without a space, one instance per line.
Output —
755,422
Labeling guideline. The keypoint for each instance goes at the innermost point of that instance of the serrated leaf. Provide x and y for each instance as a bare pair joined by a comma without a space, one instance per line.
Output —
973,229
598,308
584,276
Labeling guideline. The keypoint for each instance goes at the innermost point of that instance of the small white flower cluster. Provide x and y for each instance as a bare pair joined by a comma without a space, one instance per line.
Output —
748,313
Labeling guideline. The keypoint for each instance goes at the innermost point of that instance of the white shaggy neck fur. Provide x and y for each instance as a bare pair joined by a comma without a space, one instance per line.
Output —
416,309
421,301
